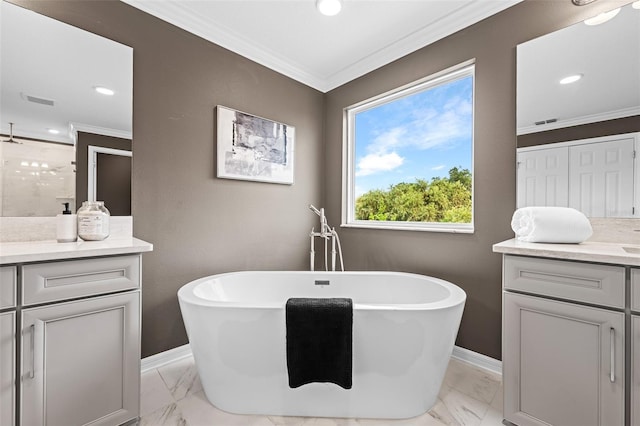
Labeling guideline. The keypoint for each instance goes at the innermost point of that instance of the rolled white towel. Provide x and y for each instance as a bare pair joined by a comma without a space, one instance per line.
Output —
551,225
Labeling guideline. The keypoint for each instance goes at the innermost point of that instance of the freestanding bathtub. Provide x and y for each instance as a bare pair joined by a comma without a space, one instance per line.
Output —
404,329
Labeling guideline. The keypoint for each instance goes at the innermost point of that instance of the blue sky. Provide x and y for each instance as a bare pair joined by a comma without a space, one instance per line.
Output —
416,137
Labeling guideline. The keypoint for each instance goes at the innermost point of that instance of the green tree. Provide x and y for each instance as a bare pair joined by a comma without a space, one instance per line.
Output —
440,200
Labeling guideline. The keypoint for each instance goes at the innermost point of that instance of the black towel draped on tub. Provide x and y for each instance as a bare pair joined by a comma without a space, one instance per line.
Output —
319,341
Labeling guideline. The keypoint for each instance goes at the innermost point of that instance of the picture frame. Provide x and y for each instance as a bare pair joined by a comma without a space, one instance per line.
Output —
253,148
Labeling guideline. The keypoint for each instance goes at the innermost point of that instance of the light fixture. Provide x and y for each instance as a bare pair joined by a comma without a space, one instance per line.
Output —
329,7
602,18
104,90
636,4
571,79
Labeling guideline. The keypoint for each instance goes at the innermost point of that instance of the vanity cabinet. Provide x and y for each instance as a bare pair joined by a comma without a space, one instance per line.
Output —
595,176
8,342
635,347
635,370
80,341
70,331
7,367
563,342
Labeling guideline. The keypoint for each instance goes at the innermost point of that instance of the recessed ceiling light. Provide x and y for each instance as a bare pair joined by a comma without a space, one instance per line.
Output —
329,7
104,90
53,131
602,18
636,4
571,79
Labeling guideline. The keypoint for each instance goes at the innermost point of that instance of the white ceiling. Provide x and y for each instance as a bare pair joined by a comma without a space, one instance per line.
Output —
324,52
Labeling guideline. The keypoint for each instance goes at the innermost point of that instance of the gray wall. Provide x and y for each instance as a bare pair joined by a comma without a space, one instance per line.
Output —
201,225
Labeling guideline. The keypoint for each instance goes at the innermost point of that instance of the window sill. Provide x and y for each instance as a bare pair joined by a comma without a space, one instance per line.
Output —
413,226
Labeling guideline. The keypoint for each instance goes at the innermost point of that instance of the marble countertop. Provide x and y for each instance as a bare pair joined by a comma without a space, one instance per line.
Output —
38,251
589,251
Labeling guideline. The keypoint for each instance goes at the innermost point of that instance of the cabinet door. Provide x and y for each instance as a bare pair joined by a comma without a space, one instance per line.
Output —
8,286
635,289
81,362
543,177
7,368
563,364
601,178
635,370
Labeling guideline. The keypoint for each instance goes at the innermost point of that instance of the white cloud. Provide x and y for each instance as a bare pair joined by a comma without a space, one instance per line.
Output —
427,128
374,163
440,167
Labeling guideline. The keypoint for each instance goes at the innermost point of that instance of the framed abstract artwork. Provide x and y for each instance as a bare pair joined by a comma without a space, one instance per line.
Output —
253,148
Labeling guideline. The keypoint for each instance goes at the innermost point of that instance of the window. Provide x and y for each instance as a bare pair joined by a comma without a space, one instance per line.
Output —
408,160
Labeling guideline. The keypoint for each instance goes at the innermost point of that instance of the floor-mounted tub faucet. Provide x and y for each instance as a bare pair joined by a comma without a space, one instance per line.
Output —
326,233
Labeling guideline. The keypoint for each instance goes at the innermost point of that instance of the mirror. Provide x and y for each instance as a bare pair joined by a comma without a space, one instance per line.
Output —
576,138
50,75
606,56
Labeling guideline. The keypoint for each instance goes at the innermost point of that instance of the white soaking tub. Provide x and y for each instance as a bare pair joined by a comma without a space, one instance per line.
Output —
404,329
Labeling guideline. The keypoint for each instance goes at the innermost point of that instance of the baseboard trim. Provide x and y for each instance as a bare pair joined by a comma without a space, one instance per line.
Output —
164,358
184,351
477,359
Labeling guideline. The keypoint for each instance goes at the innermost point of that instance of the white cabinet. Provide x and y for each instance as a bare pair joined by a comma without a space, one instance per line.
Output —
70,351
635,290
635,347
595,176
563,364
8,278
8,342
80,362
563,357
635,370
7,368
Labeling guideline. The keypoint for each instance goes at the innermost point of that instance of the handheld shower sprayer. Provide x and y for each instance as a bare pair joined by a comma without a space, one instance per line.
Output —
324,226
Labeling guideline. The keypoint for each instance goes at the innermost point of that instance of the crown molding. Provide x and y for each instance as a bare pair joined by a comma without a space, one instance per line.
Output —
178,14
460,19
74,128
578,121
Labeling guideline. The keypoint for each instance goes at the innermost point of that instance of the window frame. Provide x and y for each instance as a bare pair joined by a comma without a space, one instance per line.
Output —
456,72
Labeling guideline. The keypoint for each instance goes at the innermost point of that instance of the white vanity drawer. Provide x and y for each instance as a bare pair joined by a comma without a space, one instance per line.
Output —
635,289
577,281
47,282
8,284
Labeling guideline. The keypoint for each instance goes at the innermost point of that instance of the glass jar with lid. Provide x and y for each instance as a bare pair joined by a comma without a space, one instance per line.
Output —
93,221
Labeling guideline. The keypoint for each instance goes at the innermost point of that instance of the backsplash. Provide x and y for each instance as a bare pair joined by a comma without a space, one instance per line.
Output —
15,229
612,230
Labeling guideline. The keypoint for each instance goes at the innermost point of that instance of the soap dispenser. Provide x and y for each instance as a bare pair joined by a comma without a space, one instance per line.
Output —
67,226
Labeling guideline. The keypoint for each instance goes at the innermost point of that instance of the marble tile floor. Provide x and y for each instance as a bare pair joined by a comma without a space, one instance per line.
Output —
172,396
